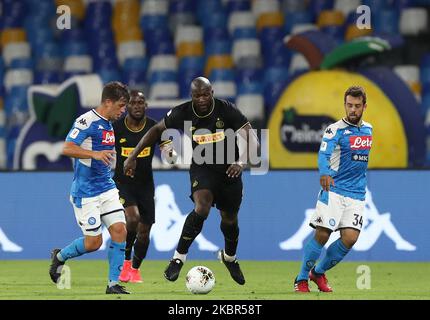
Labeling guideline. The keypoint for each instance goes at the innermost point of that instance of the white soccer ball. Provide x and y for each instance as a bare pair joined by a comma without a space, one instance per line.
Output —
200,280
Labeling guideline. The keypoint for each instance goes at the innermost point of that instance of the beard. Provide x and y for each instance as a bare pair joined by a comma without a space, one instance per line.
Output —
354,120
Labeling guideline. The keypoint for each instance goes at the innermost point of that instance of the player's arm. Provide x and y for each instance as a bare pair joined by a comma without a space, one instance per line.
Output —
71,149
328,145
149,139
247,144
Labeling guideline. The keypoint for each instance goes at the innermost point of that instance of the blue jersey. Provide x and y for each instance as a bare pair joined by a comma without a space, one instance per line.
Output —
344,155
92,177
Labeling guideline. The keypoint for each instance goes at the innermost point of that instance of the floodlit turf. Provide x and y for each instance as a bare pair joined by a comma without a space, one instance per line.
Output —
264,280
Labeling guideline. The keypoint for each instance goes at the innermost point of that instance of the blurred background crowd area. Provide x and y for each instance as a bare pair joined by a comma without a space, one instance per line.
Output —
159,46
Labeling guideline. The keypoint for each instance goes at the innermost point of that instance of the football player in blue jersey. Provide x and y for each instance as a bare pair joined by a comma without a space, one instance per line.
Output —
342,163
93,195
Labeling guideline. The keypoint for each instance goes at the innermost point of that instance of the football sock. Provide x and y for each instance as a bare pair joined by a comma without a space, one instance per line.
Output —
75,249
140,249
312,252
192,227
116,259
229,258
112,283
231,237
180,256
335,253
131,237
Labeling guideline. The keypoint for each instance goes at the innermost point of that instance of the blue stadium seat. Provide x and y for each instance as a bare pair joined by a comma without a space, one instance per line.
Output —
16,100
22,63
218,47
158,76
215,20
337,32
377,5
162,47
316,6
207,8
386,21
181,6
277,55
294,18
222,75
248,75
250,88
105,63
47,77
244,33
151,22
98,9
47,50
108,75
274,75
270,36
217,33
191,63
71,48
238,5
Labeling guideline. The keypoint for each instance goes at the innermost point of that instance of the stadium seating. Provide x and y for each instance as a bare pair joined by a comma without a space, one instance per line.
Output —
161,45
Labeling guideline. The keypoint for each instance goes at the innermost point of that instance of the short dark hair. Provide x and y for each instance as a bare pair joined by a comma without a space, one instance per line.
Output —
355,91
115,91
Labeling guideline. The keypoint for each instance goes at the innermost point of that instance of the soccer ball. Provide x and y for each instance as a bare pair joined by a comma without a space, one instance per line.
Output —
200,280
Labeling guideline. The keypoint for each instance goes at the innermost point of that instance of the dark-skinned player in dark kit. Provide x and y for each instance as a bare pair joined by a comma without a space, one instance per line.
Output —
213,182
137,193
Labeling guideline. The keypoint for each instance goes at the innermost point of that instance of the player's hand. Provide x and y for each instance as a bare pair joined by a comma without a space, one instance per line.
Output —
326,182
106,156
130,167
234,170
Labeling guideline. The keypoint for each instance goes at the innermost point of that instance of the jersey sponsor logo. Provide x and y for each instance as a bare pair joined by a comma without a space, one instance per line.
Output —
74,133
108,138
360,157
209,138
360,142
125,152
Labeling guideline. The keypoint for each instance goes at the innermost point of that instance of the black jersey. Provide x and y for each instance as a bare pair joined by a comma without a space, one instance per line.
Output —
125,141
223,116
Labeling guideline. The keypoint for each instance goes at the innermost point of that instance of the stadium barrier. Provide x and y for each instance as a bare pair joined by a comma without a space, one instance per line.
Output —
36,216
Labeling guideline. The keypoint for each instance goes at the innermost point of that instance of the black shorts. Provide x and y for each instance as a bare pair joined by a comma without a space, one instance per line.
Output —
140,196
227,191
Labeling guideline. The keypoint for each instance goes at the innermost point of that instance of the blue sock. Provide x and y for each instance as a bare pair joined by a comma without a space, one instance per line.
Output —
335,253
312,252
116,256
73,250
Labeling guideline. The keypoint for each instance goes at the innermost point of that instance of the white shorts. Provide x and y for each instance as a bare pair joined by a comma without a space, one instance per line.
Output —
90,213
335,212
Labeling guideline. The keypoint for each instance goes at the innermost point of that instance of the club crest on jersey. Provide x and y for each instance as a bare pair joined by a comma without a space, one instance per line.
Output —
108,138
219,124
360,142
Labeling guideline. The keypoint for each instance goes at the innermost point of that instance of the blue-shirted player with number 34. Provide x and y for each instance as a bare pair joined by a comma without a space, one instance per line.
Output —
342,162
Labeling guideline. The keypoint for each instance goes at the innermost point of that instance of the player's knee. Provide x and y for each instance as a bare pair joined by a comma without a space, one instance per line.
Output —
349,241
93,243
203,207
118,232
143,235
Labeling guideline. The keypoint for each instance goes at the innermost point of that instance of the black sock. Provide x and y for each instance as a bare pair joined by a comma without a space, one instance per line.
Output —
191,229
231,237
131,237
140,249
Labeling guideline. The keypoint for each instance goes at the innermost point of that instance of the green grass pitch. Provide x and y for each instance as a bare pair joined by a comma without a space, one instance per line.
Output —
271,280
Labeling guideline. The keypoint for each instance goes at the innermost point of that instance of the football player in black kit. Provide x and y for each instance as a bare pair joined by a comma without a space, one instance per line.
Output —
137,192
212,183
